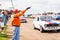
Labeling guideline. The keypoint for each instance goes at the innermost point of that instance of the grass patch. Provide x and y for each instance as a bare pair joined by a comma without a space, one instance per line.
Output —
3,36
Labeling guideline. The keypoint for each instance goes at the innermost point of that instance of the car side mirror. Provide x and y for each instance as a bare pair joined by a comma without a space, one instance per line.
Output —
38,19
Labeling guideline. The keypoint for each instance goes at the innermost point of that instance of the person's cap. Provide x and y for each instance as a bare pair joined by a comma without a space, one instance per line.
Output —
15,10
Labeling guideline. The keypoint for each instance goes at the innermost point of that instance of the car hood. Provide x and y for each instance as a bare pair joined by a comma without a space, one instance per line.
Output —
50,22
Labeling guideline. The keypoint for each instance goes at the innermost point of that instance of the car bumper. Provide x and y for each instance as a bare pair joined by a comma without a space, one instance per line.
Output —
23,21
52,28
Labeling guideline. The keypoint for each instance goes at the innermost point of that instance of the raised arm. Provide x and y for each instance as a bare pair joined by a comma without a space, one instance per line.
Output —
22,12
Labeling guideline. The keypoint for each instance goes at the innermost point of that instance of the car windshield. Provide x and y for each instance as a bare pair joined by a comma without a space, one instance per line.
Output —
45,18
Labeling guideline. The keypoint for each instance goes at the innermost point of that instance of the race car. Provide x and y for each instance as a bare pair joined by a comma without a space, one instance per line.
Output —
45,23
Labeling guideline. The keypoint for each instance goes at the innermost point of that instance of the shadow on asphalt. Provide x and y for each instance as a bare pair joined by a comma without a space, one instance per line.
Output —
52,31
58,31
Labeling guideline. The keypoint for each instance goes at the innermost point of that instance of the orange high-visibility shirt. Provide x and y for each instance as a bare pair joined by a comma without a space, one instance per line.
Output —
16,19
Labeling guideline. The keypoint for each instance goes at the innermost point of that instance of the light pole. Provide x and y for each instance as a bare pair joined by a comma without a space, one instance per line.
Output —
12,4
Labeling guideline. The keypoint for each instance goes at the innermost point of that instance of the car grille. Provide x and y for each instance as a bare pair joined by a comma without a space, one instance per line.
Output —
49,25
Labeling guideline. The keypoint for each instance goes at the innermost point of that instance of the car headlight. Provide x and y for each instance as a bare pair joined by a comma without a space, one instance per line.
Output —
56,25
45,25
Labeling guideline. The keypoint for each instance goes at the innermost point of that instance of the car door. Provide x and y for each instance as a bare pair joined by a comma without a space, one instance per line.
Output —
36,22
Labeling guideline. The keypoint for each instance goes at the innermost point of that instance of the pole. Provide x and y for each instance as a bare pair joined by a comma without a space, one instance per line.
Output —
12,4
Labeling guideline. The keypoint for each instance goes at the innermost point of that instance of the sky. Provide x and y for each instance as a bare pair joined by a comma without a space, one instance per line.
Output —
38,6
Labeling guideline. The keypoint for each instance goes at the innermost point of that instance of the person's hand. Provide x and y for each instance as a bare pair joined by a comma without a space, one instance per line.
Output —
28,8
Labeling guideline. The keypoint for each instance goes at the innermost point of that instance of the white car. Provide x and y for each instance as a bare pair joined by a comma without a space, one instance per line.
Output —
45,23
23,19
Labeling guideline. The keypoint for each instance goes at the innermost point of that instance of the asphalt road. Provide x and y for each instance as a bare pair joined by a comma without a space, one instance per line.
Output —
28,33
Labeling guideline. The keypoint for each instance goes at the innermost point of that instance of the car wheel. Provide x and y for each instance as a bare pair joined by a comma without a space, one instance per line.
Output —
25,21
58,30
34,26
41,29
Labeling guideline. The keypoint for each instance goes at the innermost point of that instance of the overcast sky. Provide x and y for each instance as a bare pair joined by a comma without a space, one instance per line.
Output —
38,6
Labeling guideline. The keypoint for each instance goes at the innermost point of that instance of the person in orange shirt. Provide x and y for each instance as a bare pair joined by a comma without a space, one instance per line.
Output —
16,23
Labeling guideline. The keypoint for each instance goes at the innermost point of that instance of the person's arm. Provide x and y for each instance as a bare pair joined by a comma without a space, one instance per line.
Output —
22,12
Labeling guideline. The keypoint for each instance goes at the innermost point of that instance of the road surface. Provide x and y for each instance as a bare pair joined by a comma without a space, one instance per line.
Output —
28,33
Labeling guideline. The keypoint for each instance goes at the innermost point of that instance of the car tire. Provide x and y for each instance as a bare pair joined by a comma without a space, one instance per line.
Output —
25,21
41,29
58,30
34,26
